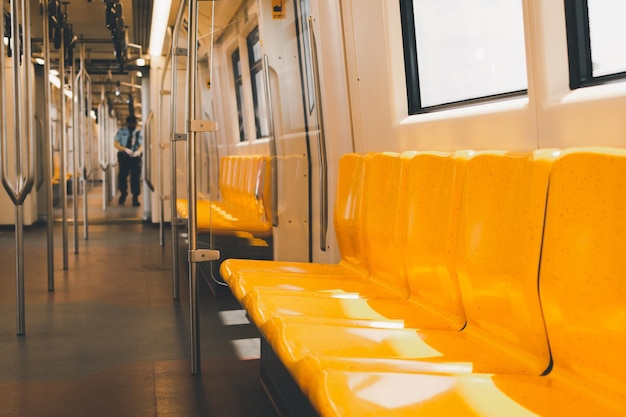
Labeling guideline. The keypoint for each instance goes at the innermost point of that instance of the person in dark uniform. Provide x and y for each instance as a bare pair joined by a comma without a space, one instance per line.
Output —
129,143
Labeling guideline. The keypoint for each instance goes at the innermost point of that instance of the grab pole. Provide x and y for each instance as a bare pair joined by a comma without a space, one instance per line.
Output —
62,152
176,222
194,126
48,158
24,150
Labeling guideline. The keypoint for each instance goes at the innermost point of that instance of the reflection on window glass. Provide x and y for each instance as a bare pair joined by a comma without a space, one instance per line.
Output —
607,33
468,49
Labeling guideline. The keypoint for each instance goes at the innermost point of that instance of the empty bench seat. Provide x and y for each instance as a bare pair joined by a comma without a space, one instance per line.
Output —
245,207
429,190
581,288
497,255
361,241
540,279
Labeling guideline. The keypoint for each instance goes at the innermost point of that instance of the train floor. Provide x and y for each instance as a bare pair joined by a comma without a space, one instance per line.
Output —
111,341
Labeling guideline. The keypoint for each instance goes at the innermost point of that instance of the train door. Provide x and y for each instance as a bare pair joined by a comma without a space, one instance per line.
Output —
273,53
326,112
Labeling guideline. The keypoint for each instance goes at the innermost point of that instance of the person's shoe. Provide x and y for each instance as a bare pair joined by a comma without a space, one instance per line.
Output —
135,202
122,199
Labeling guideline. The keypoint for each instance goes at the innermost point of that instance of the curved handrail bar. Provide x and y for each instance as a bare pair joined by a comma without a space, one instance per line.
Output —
102,148
39,174
321,142
24,180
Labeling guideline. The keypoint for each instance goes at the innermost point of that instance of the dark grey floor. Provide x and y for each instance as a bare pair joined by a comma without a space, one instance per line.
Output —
110,341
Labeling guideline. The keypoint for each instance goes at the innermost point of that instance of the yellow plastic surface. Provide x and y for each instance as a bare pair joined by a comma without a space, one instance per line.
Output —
431,192
498,251
581,289
348,277
382,394
245,193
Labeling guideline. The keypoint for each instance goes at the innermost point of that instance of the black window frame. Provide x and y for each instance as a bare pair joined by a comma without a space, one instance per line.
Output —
256,66
238,77
579,47
411,66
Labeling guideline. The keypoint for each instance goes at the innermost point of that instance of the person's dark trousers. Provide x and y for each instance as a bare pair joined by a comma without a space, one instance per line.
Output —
132,166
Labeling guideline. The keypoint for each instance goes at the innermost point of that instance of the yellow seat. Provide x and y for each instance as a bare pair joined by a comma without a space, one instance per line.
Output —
498,252
430,194
244,275
243,207
379,245
581,290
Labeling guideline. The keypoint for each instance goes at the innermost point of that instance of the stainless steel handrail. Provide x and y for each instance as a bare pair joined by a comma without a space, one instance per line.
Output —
192,63
173,163
76,77
39,172
321,143
86,137
63,153
19,189
147,137
103,147
159,134
49,158
193,127
272,141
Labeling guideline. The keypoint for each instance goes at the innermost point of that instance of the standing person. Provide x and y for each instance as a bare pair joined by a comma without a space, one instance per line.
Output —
129,143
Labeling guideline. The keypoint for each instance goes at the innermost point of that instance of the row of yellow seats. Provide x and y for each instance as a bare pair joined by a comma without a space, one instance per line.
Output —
470,284
245,202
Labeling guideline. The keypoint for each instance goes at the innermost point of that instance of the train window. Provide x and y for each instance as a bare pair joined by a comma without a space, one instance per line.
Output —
238,92
595,34
261,117
462,51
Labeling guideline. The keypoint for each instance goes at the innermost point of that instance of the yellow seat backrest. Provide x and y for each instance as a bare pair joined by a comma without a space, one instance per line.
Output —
223,175
250,181
583,268
228,185
430,202
498,251
381,209
348,219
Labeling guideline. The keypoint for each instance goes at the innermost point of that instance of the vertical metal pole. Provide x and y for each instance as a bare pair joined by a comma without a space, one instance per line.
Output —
49,158
22,126
192,63
173,162
62,150
19,267
19,209
83,117
75,174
